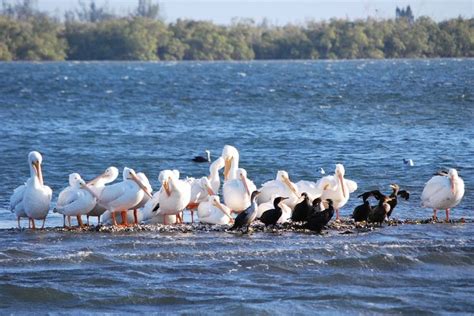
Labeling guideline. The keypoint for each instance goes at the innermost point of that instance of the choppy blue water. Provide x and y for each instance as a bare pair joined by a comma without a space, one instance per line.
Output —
296,116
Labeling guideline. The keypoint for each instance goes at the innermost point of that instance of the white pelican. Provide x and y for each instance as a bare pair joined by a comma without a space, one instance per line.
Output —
174,194
97,185
337,188
230,154
200,190
132,214
214,178
281,186
76,200
143,178
213,212
123,195
285,209
312,190
32,199
443,192
237,191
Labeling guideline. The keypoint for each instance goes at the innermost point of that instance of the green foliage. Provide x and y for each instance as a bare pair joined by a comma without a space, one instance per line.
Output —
95,33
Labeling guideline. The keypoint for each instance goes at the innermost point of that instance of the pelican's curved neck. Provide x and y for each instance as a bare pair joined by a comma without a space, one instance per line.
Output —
32,171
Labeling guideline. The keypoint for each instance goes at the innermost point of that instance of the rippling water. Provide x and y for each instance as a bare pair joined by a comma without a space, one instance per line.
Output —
296,116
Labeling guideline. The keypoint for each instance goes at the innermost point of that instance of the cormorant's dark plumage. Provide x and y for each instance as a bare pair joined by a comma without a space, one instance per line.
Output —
361,212
318,220
203,159
302,209
272,216
248,216
378,213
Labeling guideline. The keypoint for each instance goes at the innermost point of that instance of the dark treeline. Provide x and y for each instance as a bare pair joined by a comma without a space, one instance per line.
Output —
96,33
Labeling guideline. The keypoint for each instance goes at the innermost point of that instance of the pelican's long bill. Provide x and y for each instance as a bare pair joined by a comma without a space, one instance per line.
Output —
341,180
86,187
94,181
166,186
290,185
221,208
244,181
39,173
140,184
227,165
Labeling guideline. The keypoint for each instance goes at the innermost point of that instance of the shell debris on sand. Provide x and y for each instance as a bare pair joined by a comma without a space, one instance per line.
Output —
343,227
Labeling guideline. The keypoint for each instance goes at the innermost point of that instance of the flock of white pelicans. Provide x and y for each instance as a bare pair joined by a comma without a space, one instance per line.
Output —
134,200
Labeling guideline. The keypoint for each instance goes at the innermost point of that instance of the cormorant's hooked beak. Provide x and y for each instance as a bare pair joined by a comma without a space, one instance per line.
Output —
140,184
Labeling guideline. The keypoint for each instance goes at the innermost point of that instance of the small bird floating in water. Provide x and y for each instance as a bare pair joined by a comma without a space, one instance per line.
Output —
443,191
203,159
408,162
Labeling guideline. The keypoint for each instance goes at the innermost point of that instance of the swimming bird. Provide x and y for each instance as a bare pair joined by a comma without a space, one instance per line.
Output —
75,200
32,199
337,188
97,185
174,195
281,186
379,213
408,162
302,209
203,159
443,192
271,216
122,196
246,217
213,211
200,191
317,220
361,212
237,191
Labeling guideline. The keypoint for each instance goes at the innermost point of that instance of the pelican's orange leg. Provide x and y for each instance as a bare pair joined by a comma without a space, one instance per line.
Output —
124,218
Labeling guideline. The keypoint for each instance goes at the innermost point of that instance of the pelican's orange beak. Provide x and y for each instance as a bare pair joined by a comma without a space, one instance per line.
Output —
227,165
141,185
94,181
221,208
166,185
290,185
39,173
244,181
210,191
86,187
341,180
